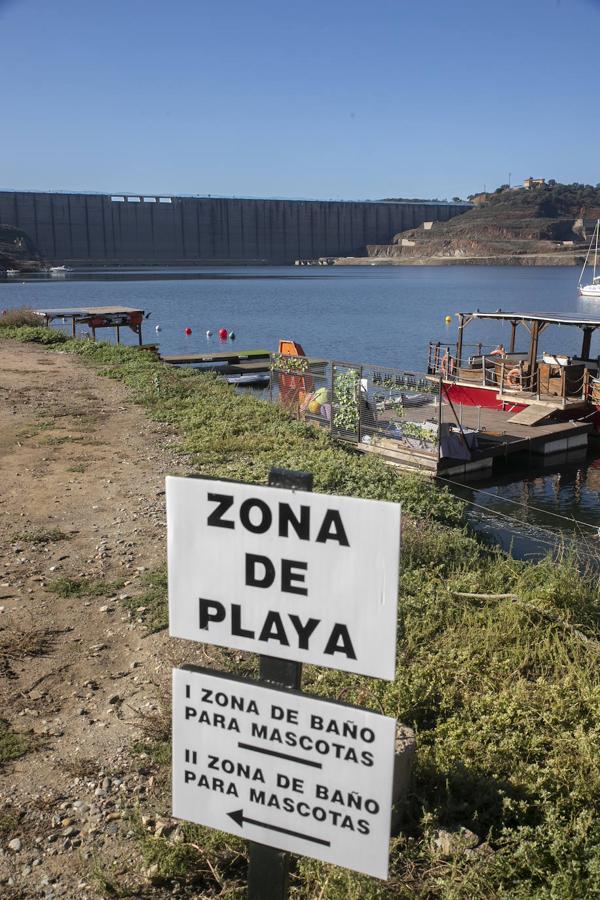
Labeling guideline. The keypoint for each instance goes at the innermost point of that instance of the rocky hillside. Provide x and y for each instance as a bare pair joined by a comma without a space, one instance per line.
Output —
17,250
548,225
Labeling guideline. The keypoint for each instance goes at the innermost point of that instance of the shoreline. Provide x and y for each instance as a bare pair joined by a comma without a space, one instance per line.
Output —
516,261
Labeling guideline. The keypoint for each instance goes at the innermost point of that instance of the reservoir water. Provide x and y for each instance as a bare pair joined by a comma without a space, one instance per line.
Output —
367,314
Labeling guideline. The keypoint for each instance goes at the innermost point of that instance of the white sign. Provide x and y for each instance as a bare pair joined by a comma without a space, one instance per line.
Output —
283,769
301,576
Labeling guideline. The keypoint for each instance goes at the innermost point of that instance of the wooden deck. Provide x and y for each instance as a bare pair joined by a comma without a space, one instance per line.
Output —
224,357
498,436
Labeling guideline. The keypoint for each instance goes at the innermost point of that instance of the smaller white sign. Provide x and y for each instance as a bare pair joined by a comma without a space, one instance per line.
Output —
307,577
283,769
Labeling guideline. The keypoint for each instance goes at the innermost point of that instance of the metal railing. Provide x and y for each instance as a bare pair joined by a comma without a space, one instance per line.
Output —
363,404
508,373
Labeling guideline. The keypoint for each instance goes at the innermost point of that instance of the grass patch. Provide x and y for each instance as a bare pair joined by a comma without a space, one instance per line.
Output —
33,334
56,440
9,824
22,643
78,467
83,587
108,883
155,741
12,744
153,600
43,536
215,864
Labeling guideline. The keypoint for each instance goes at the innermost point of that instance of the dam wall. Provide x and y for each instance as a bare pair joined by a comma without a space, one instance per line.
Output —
102,229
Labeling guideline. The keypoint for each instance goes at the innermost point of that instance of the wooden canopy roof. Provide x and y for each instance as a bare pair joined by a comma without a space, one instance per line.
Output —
549,318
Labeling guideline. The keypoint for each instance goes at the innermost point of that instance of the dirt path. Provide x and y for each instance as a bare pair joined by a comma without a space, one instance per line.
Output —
81,498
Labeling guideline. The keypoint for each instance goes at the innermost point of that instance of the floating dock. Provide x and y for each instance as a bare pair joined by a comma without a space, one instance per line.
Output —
498,435
222,357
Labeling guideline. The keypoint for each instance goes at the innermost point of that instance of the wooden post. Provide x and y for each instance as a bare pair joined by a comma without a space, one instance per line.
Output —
513,335
118,334
586,343
440,398
533,348
459,343
268,868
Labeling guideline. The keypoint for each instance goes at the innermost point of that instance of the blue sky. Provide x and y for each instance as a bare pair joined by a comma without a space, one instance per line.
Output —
315,99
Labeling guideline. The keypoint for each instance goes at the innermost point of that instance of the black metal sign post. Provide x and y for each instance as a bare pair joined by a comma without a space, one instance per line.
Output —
268,868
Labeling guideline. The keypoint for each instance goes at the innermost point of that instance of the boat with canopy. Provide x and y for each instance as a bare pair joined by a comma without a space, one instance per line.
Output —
558,384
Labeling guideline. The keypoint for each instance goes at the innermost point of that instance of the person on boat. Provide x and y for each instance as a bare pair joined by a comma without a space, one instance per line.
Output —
498,351
447,364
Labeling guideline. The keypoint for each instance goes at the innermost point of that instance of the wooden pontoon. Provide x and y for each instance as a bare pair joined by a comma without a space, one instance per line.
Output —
96,317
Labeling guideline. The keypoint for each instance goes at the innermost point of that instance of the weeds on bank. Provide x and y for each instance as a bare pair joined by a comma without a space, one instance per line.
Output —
78,467
155,729
42,536
213,862
12,744
23,643
9,823
151,606
106,882
17,318
83,587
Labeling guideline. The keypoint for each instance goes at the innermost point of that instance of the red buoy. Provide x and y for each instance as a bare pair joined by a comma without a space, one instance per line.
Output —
223,334
188,331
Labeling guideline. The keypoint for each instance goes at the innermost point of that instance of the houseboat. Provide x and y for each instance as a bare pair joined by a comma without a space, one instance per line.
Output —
532,385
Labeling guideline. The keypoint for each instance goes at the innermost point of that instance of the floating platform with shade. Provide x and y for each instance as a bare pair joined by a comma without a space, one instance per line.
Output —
96,317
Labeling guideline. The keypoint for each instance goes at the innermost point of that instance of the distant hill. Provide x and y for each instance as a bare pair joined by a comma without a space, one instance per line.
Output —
549,224
17,250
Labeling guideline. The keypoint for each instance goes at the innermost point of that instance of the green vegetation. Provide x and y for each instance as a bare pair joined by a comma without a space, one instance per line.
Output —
43,536
552,199
16,318
151,606
497,672
216,860
346,403
12,745
83,587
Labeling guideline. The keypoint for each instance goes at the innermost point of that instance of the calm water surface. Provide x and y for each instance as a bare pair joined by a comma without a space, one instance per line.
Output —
366,314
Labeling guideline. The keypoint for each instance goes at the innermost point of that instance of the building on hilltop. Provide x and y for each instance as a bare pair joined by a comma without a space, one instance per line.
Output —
530,183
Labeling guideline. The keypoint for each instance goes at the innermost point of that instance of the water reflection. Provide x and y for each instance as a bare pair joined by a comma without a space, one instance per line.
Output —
555,506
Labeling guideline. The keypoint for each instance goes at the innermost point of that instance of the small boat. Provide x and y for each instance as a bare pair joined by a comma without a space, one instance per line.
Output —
255,379
58,270
593,289
12,271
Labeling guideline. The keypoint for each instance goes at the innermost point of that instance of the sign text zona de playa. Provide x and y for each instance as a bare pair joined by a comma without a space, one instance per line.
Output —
301,576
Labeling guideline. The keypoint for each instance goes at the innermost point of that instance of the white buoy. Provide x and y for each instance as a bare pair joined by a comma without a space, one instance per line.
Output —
209,334
158,328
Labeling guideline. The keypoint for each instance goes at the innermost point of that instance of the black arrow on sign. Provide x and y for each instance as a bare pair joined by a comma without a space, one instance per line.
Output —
239,818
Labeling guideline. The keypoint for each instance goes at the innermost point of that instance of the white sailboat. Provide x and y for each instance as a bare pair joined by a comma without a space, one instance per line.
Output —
593,289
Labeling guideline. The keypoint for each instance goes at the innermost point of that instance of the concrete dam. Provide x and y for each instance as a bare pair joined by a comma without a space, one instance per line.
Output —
125,229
